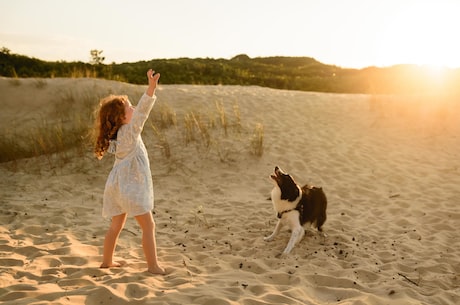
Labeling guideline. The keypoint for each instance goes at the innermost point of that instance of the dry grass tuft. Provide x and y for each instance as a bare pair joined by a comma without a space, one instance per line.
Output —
257,141
68,127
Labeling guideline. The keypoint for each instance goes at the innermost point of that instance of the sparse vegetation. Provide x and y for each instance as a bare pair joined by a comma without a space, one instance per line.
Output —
200,217
163,143
40,83
257,141
66,129
205,130
69,128
96,57
291,73
15,82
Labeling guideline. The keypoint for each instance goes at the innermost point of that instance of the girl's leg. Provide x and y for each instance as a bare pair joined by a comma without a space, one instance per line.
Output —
148,242
110,241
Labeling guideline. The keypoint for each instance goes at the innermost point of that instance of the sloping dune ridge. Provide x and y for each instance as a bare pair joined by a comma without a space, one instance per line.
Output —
390,167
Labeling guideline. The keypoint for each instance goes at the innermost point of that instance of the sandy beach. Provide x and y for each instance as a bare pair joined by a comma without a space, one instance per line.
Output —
390,167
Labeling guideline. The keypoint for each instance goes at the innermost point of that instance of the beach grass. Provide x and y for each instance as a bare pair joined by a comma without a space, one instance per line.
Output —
69,127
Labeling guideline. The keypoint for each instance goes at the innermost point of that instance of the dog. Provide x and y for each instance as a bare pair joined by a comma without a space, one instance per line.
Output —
296,206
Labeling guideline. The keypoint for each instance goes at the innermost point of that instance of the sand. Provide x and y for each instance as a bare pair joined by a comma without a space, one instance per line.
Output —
390,168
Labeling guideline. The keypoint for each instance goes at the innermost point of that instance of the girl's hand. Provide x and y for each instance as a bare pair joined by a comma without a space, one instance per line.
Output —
153,81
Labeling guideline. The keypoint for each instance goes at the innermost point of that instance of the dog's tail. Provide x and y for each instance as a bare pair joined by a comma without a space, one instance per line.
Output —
322,215
321,220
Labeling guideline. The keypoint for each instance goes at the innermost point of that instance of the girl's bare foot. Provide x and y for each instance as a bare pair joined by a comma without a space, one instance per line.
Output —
112,265
157,270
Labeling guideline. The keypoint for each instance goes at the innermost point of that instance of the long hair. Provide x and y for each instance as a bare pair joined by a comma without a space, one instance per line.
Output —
109,119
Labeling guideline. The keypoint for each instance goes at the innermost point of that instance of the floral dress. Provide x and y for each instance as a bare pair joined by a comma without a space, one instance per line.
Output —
129,187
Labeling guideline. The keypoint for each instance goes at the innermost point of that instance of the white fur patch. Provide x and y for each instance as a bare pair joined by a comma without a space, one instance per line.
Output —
291,218
281,205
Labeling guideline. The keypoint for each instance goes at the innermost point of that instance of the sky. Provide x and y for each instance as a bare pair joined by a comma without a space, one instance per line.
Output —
345,33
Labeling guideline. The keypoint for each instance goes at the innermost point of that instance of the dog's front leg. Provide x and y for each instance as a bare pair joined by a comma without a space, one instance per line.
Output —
297,234
275,232
297,231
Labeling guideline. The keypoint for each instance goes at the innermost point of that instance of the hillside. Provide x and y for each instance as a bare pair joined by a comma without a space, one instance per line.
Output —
292,73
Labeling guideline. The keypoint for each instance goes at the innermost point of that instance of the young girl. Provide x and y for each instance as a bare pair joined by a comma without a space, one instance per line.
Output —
129,188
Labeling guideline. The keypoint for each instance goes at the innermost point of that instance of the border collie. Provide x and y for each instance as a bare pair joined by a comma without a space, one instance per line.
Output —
296,206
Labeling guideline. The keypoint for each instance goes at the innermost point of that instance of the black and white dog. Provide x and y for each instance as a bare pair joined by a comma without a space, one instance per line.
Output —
296,206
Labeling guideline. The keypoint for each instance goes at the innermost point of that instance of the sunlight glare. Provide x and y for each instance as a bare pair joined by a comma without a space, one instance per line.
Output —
422,35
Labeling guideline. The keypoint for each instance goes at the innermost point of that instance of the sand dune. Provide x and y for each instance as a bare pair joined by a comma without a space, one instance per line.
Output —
389,166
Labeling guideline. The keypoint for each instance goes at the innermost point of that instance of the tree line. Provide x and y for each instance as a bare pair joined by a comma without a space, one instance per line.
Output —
291,73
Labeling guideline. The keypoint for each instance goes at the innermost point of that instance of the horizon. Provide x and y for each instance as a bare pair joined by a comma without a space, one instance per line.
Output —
434,69
356,34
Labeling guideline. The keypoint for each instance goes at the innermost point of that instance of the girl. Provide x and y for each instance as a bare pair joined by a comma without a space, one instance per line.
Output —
129,188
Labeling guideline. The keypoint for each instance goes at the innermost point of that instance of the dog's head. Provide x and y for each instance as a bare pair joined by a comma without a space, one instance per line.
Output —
286,184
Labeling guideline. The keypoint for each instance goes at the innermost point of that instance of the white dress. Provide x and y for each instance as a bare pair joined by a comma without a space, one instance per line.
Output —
129,187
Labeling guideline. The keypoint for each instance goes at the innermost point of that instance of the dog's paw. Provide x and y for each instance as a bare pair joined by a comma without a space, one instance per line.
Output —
323,238
268,238
286,251
282,255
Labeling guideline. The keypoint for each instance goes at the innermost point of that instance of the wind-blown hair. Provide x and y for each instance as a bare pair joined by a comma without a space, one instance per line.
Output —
109,119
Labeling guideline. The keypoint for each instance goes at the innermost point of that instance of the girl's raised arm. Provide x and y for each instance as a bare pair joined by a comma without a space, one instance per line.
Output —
153,82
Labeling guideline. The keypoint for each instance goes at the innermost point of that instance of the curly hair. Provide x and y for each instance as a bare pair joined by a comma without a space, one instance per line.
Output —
109,119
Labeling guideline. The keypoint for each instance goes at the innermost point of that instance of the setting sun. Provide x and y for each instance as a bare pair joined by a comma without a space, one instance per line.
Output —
421,35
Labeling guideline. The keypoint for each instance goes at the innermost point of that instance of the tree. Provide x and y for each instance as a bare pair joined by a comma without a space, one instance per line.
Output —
96,57
5,51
